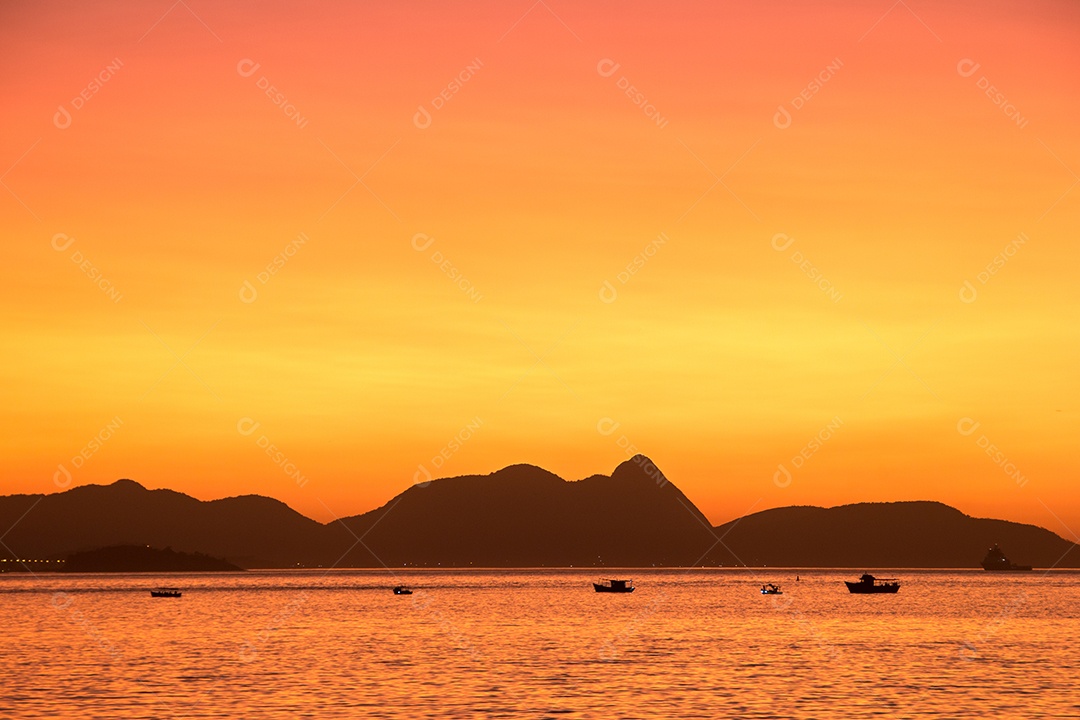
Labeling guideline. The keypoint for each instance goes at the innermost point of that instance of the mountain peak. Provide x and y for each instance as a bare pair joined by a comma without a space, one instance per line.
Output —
524,470
126,484
640,467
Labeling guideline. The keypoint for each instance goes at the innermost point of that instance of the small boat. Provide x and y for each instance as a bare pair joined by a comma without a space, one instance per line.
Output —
770,589
609,585
402,590
165,592
995,560
868,584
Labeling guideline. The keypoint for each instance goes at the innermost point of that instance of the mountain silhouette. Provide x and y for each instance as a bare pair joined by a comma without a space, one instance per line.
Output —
896,534
520,516
525,516
249,531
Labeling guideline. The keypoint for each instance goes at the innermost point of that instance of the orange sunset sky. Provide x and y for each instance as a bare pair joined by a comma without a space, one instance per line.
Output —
706,230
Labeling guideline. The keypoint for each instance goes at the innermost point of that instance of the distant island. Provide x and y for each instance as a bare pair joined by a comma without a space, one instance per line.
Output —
520,516
142,558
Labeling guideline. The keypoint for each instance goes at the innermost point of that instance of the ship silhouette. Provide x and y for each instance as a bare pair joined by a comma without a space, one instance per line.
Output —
995,560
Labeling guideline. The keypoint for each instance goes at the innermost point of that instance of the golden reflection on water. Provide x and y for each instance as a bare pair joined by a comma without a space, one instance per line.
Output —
687,643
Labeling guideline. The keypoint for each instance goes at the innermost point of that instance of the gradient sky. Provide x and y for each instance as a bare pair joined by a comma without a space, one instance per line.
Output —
539,180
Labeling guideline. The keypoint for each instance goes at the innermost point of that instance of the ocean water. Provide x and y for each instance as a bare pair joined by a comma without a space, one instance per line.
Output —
517,644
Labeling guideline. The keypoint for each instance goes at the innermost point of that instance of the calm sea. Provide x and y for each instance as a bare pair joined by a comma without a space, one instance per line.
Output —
509,644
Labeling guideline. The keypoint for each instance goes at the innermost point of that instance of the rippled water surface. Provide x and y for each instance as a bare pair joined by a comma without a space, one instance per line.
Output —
687,644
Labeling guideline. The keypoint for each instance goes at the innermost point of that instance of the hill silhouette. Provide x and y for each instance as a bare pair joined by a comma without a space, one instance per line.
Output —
520,516
897,534
250,531
525,516
142,558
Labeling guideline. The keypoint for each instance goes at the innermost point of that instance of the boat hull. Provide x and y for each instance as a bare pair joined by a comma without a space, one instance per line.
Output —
608,589
856,588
